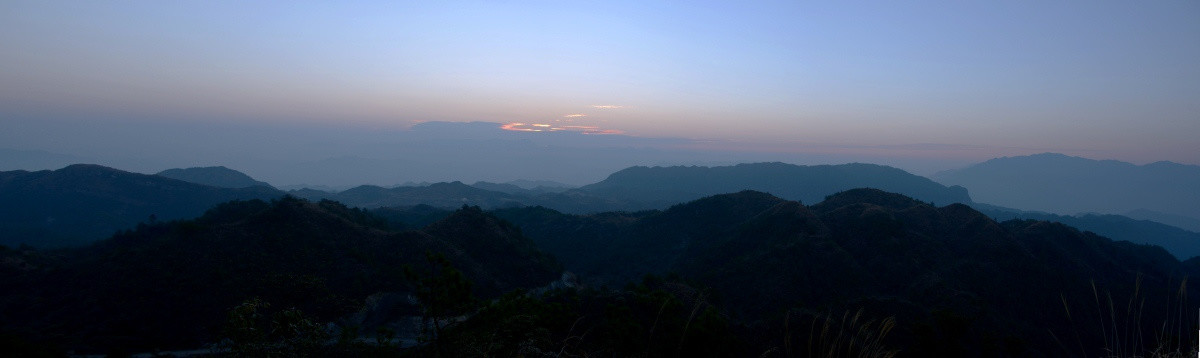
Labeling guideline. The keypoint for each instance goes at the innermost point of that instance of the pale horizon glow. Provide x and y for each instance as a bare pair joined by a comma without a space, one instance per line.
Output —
921,80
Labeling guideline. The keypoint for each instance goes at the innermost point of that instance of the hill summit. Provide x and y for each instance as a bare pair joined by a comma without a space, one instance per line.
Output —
218,176
82,203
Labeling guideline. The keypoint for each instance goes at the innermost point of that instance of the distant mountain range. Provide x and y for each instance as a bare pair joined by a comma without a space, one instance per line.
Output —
644,188
659,187
220,177
108,200
1184,244
1180,221
527,187
1068,185
82,203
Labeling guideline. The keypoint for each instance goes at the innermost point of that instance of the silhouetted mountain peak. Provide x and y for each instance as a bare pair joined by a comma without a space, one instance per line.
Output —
629,173
471,227
454,187
83,167
94,178
85,172
787,216
1166,164
962,212
365,188
1051,155
472,216
61,207
722,210
496,243
218,176
308,215
1041,159
867,196
741,198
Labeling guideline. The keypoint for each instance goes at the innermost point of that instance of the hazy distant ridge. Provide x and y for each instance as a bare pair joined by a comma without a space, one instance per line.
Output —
82,203
1068,185
1182,243
643,188
219,176
663,186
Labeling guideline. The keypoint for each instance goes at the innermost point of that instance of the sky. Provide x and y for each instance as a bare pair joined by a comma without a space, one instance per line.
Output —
922,85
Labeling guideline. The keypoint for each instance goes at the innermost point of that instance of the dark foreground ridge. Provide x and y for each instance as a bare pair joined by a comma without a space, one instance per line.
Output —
955,281
171,285
862,273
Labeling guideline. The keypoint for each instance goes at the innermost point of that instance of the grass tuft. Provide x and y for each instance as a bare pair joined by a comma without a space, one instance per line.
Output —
850,335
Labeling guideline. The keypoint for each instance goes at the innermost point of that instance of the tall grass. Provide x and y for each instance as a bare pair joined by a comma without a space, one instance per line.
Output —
830,336
1123,326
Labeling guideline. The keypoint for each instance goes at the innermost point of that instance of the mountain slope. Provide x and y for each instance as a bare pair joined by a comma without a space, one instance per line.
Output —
170,285
1183,244
956,281
1069,185
220,177
82,203
1179,221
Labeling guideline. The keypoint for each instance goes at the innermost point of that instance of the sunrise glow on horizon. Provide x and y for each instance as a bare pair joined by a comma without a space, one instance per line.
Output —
1108,79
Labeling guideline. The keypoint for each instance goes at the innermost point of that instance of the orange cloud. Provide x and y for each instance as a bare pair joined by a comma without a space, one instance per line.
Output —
519,127
607,106
576,115
538,127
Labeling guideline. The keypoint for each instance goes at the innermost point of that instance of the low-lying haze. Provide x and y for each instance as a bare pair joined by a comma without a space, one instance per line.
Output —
342,156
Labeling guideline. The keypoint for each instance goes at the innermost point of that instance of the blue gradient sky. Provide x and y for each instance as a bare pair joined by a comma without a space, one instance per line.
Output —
963,80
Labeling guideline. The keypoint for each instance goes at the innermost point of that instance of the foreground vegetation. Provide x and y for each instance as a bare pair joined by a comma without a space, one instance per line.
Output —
863,273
